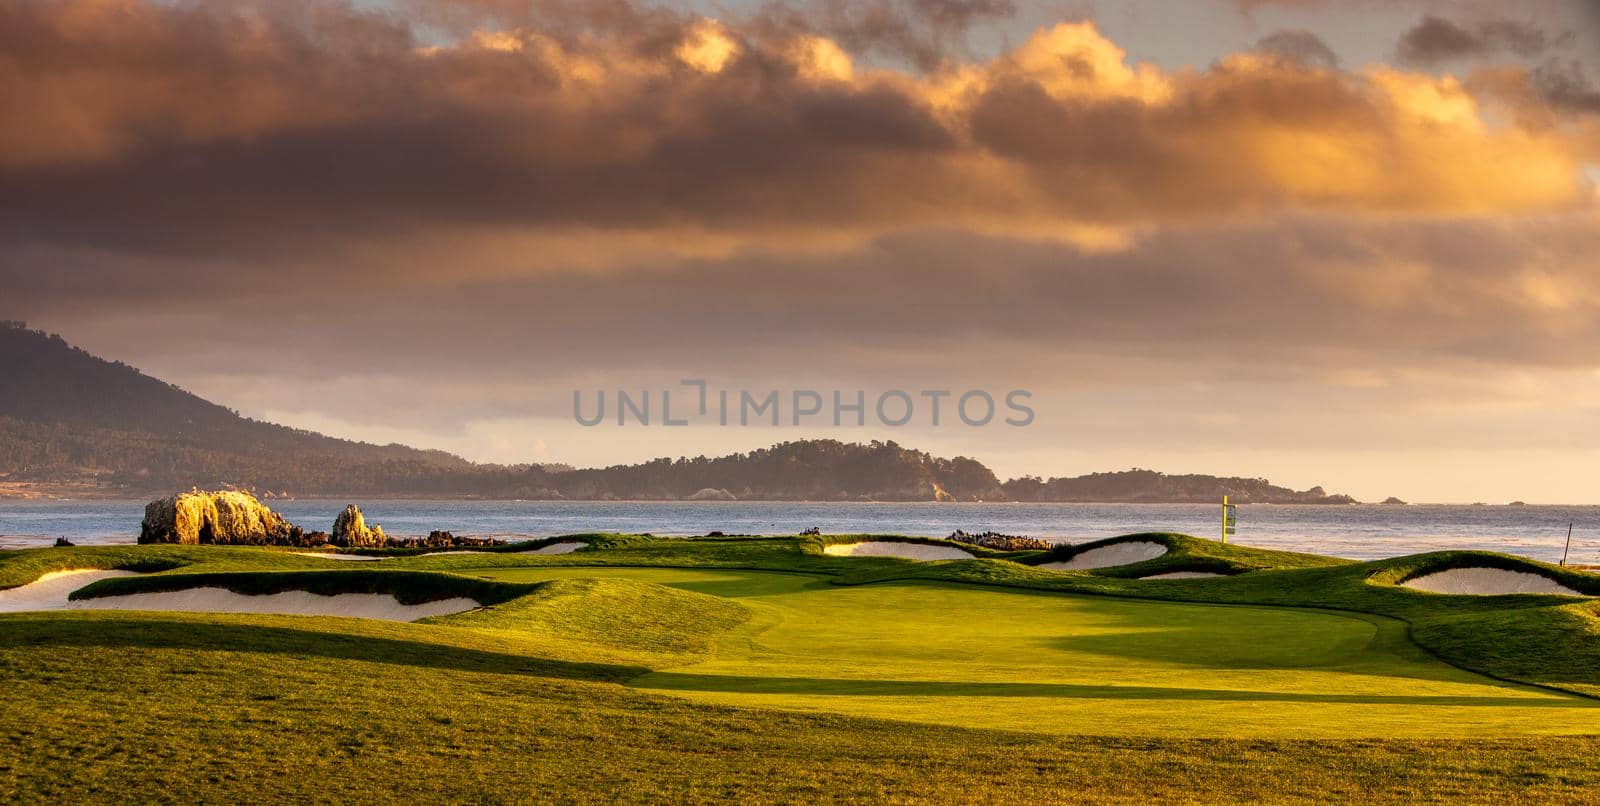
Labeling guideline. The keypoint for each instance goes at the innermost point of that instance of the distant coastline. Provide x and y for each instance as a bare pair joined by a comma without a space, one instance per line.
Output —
75,425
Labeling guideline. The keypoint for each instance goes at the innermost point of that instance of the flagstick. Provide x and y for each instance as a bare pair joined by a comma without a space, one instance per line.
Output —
1569,546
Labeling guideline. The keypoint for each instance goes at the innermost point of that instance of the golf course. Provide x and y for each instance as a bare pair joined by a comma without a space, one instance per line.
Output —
604,667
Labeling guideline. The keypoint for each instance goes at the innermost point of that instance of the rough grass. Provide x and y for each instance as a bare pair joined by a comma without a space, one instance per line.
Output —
523,702
107,707
611,619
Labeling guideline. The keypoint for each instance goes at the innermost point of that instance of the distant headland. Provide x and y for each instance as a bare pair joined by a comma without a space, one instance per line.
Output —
73,424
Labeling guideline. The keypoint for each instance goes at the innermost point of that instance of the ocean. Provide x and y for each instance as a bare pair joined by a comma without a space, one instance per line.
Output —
1361,532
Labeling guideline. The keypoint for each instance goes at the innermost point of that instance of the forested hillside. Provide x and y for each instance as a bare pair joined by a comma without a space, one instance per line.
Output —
68,417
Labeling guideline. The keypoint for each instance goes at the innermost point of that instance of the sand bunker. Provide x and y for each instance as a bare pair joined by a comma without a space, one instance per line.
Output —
329,555
565,547
291,603
1487,582
50,591
905,551
447,553
1184,575
1126,553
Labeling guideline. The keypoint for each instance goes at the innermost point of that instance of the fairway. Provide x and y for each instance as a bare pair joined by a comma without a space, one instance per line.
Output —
1065,664
769,670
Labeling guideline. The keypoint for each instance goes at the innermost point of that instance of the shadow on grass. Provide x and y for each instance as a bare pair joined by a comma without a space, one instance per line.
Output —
151,633
678,681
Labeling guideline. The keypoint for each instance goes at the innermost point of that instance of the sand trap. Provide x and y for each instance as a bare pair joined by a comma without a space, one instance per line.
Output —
1487,582
1184,575
50,591
1126,553
447,553
292,603
566,547
905,551
328,555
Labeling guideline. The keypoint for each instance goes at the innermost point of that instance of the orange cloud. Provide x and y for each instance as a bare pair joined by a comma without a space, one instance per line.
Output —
691,128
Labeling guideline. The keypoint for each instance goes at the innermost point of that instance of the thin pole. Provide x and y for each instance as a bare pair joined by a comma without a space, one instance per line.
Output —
1569,545
1224,518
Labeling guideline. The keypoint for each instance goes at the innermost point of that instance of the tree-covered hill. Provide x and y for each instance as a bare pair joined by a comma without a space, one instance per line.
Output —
68,417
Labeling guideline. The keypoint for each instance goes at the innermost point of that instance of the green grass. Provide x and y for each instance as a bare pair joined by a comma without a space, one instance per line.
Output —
1185,553
764,670
106,707
954,655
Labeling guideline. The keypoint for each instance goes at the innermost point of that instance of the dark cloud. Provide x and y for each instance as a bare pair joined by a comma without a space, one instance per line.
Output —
303,127
1302,46
1436,40
1565,85
924,33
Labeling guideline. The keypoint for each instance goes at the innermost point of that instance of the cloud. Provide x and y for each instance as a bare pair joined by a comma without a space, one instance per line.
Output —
1301,46
1436,40
308,128
1565,85
922,33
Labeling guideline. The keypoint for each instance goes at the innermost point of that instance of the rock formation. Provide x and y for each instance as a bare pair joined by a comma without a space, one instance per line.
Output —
1000,542
350,531
223,517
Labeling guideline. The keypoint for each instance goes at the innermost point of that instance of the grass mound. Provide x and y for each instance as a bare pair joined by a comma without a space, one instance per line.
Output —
613,619
1184,553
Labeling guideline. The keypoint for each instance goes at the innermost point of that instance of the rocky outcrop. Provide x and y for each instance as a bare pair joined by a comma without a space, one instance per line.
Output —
223,517
713,494
350,530
1000,542
438,539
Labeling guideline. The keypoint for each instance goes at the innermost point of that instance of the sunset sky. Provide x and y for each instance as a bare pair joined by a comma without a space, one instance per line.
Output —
1354,244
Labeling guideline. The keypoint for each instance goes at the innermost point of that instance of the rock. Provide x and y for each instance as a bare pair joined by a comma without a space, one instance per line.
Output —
439,539
350,530
223,517
715,534
62,543
815,530
713,494
1000,542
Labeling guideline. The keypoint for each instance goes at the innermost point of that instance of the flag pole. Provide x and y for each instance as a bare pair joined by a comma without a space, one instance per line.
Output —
1569,546
1224,518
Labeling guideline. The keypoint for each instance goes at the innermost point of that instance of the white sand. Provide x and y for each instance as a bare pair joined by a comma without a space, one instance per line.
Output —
1487,582
293,603
1183,575
50,591
1126,553
329,555
566,547
905,551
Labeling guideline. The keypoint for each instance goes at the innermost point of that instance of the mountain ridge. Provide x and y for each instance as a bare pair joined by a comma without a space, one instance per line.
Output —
71,421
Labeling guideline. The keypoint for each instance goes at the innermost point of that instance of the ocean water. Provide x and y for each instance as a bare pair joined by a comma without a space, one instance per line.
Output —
1360,532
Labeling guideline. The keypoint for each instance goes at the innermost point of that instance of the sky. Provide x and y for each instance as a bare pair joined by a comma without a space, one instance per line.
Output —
1349,244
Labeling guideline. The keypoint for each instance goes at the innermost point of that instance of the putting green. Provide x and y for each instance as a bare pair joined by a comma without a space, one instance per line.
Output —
1065,664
